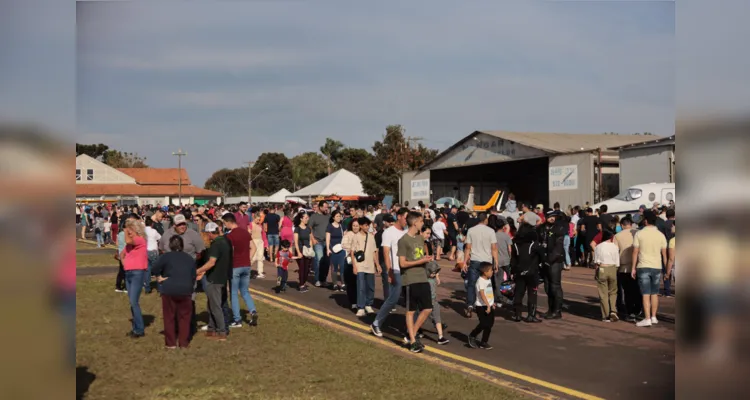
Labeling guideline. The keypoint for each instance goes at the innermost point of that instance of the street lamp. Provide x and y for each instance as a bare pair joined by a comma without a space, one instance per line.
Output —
250,180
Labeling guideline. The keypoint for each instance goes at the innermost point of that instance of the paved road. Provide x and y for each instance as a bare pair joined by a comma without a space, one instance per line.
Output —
609,360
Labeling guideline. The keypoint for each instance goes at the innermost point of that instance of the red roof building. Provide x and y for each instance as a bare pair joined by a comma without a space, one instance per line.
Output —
98,182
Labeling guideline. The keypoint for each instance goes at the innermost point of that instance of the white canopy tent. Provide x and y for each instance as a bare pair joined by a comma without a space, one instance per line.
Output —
278,197
339,183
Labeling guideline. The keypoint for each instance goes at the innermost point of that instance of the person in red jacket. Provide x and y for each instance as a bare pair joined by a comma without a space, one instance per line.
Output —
283,257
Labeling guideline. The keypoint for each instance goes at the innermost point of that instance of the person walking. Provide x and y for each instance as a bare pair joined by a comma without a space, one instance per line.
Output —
256,231
389,247
526,256
480,247
303,248
335,250
552,238
239,239
364,263
216,270
485,305
152,248
175,272
135,262
319,222
628,292
607,261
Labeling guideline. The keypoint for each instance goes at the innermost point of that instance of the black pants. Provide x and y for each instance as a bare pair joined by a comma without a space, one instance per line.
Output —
629,300
553,286
350,280
525,284
486,321
120,280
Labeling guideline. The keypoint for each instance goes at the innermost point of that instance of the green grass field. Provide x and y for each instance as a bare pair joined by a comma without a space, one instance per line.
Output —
285,357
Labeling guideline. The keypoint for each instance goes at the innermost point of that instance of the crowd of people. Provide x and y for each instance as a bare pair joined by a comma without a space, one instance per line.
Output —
501,255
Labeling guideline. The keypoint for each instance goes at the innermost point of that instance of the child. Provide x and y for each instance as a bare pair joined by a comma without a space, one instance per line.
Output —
283,257
484,306
107,232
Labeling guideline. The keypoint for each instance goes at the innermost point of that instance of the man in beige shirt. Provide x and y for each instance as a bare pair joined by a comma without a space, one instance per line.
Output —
629,302
649,252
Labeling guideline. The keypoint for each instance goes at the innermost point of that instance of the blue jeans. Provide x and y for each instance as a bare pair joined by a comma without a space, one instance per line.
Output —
390,301
384,278
365,289
99,240
67,309
319,262
134,284
566,247
472,276
240,283
273,241
667,283
338,263
152,257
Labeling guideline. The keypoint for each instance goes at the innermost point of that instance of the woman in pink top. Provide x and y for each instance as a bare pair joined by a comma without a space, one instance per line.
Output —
287,227
135,262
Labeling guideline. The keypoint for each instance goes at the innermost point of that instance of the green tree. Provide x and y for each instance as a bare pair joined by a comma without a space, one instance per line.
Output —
227,181
91,150
306,169
394,155
352,159
271,173
119,159
331,151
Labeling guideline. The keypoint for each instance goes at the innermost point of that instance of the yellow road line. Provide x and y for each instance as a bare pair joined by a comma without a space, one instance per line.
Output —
516,375
395,347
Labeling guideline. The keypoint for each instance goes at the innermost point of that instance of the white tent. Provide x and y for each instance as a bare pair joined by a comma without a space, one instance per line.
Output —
279,197
339,183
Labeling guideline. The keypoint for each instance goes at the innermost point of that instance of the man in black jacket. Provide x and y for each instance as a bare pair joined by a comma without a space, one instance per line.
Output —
526,254
552,238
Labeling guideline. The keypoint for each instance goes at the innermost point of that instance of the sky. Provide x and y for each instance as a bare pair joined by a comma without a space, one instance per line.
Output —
226,81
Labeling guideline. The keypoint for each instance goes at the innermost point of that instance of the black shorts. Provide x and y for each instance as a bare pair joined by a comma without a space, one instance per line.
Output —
418,296
452,239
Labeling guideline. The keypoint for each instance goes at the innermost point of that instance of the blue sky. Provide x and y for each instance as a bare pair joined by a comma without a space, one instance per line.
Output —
227,81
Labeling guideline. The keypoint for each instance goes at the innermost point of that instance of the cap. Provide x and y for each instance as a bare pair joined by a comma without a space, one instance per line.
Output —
179,219
554,213
540,206
211,227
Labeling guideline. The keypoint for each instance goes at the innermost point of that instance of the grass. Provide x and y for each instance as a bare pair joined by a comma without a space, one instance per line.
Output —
103,259
286,356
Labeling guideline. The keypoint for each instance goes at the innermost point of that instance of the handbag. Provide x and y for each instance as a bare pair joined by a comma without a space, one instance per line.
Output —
360,255
308,251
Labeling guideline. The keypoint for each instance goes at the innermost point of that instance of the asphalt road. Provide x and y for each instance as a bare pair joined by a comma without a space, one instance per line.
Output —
579,352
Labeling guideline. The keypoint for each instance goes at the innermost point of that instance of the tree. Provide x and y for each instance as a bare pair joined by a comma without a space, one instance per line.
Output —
352,159
394,155
331,151
306,169
91,150
119,159
271,173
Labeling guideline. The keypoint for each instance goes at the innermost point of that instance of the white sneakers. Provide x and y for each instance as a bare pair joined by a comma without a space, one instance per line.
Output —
642,323
369,310
361,313
654,321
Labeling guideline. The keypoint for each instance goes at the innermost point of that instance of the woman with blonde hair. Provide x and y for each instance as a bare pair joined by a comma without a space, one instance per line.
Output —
135,263
256,231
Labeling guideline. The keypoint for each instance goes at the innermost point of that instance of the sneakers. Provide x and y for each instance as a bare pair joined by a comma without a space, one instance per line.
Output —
235,325
134,335
485,346
369,310
606,320
645,322
254,319
361,313
304,289
317,284
278,283
468,312
443,341
121,291
376,330
342,288
353,306
260,276
416,347
654,321
614,318
204,328
473,343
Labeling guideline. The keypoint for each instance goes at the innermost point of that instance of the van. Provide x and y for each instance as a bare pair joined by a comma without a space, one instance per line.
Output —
629,201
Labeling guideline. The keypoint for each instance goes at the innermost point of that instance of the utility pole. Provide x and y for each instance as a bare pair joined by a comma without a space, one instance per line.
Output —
179,155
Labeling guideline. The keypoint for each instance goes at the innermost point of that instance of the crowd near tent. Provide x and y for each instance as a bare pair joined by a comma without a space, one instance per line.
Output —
342,184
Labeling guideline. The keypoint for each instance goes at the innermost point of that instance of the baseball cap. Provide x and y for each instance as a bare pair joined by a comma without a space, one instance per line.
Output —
540,206
211,227
179,219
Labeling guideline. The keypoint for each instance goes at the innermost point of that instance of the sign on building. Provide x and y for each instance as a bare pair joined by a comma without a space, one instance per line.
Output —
563,178
420,189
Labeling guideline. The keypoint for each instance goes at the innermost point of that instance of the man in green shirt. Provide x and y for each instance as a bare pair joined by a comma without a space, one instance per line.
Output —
412,259
216,270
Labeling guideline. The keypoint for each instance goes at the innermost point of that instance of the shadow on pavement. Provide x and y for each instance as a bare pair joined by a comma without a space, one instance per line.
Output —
84,379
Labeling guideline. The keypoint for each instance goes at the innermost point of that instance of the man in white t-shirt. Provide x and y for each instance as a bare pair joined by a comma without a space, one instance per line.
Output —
391,236
480,247
152,247
439,230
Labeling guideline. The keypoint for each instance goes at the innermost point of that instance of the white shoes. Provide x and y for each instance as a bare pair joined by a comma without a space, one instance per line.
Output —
644,323
361,313
654,321
261,276
369,310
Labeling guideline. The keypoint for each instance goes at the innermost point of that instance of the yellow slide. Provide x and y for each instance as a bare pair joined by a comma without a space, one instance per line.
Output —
494,200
